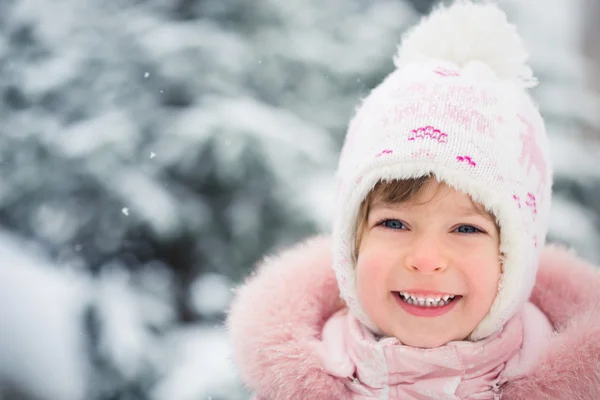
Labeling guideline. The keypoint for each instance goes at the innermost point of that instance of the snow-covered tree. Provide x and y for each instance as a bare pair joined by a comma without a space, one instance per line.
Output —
152,151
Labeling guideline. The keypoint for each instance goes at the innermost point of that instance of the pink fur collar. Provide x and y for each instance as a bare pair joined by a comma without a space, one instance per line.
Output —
385,368
276,320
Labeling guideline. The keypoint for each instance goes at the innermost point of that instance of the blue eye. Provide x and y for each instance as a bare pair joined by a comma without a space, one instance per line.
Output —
392,224
467,229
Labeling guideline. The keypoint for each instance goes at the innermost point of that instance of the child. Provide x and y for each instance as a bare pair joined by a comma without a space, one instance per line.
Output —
435,283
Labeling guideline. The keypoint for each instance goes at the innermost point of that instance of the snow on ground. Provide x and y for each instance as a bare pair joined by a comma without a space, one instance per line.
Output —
41,339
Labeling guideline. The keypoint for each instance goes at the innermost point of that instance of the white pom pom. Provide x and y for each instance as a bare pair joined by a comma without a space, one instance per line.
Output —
466,32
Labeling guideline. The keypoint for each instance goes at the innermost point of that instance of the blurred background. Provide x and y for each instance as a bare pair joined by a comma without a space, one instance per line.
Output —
152,151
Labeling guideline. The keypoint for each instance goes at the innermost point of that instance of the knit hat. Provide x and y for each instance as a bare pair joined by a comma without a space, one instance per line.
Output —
455,107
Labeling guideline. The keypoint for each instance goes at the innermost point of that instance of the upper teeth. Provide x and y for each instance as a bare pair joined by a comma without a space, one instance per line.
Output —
446,297
426,300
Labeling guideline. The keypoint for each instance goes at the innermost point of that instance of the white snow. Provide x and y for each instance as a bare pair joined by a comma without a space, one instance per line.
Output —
199,365
574,226
574,157
113,130
42,338
53,223
124,312
51,73
148,199
211,294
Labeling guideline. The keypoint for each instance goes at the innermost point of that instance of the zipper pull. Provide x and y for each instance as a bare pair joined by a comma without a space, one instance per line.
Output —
497,391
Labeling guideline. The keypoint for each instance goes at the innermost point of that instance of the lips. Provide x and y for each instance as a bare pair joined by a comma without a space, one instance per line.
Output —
426,306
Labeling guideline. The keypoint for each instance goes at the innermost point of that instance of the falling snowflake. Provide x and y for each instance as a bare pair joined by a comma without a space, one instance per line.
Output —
152,154
125,211
147,74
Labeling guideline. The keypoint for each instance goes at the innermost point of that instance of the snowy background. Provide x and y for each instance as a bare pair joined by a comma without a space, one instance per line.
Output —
151,151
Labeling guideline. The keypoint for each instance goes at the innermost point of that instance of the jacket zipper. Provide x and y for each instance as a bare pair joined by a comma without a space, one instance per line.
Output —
497,390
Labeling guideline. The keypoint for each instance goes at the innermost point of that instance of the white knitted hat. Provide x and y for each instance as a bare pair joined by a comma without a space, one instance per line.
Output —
456,107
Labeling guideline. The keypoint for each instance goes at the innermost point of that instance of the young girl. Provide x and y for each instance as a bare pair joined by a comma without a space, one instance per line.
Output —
435,283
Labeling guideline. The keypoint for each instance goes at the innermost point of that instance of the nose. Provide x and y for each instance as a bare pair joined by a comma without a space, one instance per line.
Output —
426,256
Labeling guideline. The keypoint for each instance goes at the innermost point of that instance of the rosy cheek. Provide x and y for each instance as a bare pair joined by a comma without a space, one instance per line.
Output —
366,269
379,247
483,276
486,272
370,272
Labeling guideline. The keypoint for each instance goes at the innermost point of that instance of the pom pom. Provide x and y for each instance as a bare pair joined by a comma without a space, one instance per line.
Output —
466,32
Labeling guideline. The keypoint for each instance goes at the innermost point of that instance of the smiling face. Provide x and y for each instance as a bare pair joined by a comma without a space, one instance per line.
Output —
414,254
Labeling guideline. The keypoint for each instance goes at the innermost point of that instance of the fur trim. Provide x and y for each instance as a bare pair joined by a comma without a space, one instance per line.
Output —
568,291
276,320
277,317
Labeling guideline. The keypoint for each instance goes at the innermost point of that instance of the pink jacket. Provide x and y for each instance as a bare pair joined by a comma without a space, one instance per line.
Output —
277,318
383,368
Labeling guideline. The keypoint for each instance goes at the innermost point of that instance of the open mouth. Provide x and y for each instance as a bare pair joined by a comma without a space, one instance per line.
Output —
426,302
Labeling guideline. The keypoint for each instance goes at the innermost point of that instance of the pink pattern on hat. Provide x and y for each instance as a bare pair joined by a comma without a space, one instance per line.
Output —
467,159
423,154
382,152
446,71
517,199
428,132
531,154
531,202
457,103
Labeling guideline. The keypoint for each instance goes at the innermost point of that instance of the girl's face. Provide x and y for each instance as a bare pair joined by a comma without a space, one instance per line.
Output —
436,245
